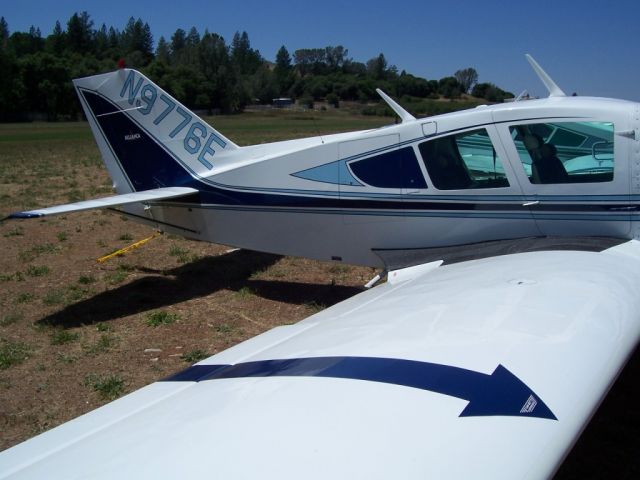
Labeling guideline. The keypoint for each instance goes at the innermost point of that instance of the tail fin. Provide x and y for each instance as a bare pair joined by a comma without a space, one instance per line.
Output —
147,138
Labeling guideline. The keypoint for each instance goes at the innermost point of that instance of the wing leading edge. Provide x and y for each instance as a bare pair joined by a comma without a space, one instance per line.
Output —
383,385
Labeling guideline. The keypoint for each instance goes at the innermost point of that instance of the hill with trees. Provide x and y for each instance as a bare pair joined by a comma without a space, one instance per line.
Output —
203,71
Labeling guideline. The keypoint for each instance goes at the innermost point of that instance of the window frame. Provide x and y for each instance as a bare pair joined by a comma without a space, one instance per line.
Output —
514,154
513,186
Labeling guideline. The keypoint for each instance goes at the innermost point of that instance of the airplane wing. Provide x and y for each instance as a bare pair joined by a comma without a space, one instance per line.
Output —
113,201
482,369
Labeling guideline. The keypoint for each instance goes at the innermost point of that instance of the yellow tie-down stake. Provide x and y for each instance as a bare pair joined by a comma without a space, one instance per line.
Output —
127,249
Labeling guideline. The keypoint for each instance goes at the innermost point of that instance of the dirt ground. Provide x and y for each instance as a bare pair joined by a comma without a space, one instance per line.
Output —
75,334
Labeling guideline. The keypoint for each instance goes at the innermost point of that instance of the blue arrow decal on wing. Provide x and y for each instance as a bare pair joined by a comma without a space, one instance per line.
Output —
500,393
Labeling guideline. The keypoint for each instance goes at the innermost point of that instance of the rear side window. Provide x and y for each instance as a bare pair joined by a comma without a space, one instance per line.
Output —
565,152
463,161
396,169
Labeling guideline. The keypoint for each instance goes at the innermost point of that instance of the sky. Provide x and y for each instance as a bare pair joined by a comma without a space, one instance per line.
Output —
588,47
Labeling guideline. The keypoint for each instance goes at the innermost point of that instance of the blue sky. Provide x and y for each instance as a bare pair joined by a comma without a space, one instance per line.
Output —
589,47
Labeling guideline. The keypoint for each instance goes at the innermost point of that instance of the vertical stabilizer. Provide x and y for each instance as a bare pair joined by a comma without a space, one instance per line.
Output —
147,138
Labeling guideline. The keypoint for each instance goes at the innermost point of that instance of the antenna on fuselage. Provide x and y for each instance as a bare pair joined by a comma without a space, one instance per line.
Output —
402,113
554,89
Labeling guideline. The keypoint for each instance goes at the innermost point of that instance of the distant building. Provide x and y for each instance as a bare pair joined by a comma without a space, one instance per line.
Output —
282,102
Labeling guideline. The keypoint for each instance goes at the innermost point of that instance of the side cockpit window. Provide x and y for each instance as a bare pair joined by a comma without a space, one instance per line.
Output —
463,161
395,169
565,152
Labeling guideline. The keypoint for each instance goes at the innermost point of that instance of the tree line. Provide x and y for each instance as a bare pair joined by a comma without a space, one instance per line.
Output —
200,70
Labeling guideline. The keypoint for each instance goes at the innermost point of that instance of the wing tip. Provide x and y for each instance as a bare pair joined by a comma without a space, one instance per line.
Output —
25,215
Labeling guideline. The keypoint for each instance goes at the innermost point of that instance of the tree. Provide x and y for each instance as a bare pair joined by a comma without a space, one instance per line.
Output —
490,92
335,57
4,33
264,86
80,33
26,43
137,37
283,70
351,67
162,51
449,87
407,84
310,60
189,54
101,41
333,100
245,58
114,38
221,83
466,77
377,67
178,43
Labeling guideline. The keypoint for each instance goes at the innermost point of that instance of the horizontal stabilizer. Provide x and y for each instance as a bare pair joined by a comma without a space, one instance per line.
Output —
115,200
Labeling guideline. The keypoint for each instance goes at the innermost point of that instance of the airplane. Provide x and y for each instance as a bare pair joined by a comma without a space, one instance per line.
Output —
487,366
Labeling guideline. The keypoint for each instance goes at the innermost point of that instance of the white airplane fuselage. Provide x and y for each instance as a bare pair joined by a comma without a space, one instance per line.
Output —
561,166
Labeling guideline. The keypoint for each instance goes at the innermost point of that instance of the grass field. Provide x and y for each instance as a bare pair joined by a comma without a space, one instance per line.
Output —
75,334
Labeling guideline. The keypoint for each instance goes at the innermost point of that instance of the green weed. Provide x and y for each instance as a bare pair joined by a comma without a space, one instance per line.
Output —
126,237
177,251
14,232
104,343
62,236
75,293
315,307
25,297
86,279
65,296
225,328
155,319
245,292
338,268
117,277
54,297
12,353
66,358
10,318
194,356
103,327
36,251
108,387
62,337
37,271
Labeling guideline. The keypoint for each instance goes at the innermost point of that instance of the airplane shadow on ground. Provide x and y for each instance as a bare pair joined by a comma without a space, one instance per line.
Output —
203,277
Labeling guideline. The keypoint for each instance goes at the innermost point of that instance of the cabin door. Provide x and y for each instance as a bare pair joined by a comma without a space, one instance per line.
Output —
574,175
